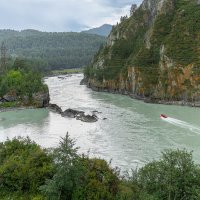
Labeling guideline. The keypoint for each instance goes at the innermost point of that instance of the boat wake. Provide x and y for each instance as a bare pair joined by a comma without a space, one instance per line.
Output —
182,124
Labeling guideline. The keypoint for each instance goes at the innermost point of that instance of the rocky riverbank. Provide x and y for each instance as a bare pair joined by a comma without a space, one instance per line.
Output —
145,99
12,101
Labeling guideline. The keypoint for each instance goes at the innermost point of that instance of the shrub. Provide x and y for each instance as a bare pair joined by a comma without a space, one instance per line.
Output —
24,166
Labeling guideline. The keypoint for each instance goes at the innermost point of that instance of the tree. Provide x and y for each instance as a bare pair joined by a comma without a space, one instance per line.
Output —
24,166
79,177
133,9
68,171
173,177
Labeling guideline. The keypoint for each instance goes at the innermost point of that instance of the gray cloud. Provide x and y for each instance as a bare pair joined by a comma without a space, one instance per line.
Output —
61,15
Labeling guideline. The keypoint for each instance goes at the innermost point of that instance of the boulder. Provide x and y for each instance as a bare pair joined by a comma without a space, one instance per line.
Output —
88,118
79,115
72,113
55,108
10,97
2,100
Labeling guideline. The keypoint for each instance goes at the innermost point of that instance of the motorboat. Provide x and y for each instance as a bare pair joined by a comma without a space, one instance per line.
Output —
163,116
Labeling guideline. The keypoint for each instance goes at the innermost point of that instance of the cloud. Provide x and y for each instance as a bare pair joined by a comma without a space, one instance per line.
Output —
61,15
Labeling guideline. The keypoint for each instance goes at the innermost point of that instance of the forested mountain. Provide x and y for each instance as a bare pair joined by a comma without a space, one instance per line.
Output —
51,50
103,30
153,54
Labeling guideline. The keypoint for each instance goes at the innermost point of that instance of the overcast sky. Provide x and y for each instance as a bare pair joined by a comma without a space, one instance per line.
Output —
61,15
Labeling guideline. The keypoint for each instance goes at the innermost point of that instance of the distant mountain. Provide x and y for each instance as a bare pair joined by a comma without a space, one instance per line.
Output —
51,50
103,30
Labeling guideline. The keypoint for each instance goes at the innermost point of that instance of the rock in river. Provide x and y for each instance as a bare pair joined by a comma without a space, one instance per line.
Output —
55,108
87,118
72,113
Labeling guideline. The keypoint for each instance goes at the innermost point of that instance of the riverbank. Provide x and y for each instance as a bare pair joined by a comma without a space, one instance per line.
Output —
145,99
64,72
7,109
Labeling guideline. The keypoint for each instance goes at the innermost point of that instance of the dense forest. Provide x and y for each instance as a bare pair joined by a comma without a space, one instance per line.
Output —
49,51
29,172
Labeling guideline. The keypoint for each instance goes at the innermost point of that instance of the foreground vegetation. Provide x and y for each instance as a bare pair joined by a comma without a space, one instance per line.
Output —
29,172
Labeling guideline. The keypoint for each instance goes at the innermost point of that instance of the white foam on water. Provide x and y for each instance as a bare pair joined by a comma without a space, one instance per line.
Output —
182,124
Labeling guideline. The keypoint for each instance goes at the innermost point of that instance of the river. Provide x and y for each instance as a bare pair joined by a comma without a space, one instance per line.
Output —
131,135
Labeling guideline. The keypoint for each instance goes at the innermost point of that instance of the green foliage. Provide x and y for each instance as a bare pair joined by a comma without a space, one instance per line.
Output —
183,43
20,80
24,166
78,177
20,64
19,83
67,172
100,181
67,71
9,104
145,41
174,176
50,51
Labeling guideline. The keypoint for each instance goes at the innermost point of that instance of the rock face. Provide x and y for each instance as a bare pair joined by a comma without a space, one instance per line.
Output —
2,100
153,55
9,98
41,99
83,82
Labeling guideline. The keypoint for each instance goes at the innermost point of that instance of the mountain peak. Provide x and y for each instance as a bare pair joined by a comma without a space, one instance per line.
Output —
103,30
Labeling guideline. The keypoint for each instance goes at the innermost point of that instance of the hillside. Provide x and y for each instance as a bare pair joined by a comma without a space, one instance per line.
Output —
52,50
103,30
154,54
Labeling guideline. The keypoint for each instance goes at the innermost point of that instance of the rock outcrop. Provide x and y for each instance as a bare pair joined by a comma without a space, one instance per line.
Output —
10,97
55,108
41,99
152,55
71,113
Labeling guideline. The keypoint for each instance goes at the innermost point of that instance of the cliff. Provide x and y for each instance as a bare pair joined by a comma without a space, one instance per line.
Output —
154,54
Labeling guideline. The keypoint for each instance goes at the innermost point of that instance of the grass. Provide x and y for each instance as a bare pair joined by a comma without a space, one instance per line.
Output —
67,71
9,104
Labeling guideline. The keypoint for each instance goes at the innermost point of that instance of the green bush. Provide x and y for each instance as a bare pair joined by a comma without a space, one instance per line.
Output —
20,81
174,176
24,166
78,177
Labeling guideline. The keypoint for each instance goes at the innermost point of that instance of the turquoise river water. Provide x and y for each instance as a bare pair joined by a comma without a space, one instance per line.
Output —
132,134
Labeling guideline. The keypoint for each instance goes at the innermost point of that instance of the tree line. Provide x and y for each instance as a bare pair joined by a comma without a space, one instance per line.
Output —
51,50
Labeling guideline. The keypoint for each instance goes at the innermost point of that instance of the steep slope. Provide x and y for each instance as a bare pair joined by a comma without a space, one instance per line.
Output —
52,50
154,54
103,30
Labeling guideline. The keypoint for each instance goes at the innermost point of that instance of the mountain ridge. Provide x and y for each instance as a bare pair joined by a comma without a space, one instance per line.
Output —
154,54
51,50
103,30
